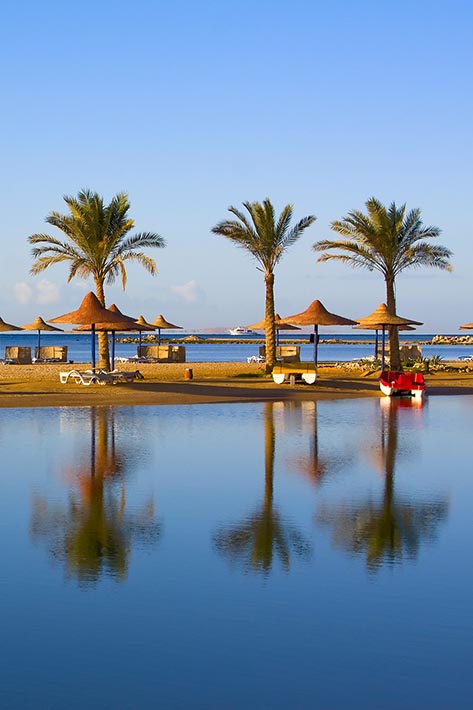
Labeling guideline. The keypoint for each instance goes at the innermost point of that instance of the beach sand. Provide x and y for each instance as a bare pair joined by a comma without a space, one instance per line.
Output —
38,385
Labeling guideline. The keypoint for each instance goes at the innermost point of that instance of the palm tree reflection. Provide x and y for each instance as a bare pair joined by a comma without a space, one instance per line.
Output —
95,534
385,530
265,535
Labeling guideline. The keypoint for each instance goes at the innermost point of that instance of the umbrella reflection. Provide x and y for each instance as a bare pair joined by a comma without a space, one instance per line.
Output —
389,529
95,533
322,460
265,535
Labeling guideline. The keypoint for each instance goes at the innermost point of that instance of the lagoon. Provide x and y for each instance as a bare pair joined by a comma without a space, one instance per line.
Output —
297,554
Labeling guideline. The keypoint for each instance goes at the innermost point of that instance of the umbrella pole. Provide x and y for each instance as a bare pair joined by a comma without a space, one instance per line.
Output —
376,345
159,337
93,346
316,343
113,350
382,349
39,343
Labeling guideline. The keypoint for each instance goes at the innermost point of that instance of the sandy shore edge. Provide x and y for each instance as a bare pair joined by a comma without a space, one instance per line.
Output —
38,385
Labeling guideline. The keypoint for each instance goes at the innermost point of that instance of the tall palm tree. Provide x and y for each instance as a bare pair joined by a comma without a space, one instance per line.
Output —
388,240
266,239
97,244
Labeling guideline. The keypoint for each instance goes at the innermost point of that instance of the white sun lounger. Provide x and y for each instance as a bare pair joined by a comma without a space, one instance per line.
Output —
86,377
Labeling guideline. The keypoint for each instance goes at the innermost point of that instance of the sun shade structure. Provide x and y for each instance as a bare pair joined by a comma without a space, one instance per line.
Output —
279,324
467,326
89,313
316,314
160,323
39,324
4,327
127,323
382,317
144,326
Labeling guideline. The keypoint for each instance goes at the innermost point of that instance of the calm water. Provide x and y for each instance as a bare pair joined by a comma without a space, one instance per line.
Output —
296,555
79,347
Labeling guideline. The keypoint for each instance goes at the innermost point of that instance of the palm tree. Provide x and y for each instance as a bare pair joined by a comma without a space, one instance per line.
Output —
386,240
97,244
266,240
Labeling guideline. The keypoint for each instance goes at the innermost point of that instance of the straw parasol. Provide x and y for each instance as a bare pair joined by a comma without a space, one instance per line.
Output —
89,313
160,323
127,323
4,327
316,314
39,324
144,326
467,326
382,317
279,324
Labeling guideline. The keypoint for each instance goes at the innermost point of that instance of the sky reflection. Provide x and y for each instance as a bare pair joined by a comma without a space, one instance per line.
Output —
237,555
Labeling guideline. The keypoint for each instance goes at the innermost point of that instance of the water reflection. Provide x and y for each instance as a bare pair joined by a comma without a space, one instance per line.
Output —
265,536
95,532
324,458
388,529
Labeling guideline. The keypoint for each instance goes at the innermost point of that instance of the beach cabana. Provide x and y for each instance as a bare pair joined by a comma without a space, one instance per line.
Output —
89,313
160,323
39,324
316,314
382,317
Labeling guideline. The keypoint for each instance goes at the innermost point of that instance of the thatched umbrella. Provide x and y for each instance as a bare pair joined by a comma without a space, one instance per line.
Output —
467,326
144,326
382,317
5,327
127,323
89,313
39,324
316,314
160,323
279,324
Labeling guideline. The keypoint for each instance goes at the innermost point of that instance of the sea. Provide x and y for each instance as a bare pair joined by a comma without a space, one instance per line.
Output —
333,347
237,556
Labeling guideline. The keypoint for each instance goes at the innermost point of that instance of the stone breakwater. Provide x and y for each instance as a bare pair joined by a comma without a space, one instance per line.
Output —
452,340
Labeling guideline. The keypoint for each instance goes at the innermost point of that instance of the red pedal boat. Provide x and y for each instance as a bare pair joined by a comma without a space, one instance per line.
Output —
394,383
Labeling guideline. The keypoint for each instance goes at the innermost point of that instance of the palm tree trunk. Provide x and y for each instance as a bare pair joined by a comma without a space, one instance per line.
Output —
270,331
104,354
394,356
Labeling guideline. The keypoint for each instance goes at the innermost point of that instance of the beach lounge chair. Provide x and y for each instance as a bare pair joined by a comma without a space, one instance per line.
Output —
256,358
125,375
86,377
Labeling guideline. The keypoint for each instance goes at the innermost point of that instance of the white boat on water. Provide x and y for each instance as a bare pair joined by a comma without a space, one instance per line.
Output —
240,330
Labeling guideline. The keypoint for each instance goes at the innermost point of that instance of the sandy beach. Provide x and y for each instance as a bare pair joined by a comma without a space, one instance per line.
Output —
38,385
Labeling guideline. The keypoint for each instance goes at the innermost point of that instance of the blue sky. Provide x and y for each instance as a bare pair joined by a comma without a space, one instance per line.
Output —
191,108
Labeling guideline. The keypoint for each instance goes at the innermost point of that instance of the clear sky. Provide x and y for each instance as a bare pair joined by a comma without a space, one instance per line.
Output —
192,107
